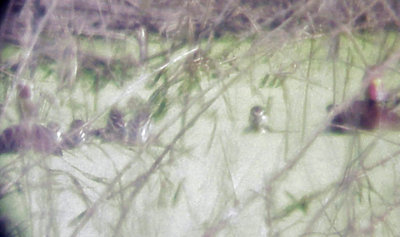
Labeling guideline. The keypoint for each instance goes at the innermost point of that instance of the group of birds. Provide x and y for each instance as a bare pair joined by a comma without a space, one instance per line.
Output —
30,135
377,109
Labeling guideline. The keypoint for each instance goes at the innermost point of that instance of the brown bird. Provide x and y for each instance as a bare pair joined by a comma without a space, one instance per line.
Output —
24,137
368,114
361,114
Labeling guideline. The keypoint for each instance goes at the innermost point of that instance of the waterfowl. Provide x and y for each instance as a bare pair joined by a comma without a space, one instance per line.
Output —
28,135
258,119
23,137
368,114
135,131
138,128
76,135
361,114
116,125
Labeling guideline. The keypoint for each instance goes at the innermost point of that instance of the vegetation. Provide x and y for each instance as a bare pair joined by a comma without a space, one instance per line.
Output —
195,118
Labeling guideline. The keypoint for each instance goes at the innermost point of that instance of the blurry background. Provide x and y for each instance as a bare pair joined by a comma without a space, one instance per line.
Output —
198,68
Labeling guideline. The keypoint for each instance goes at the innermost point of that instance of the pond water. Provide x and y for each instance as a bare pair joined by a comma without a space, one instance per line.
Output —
202,171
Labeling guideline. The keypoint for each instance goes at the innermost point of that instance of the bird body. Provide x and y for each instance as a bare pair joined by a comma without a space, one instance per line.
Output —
371,113
24,137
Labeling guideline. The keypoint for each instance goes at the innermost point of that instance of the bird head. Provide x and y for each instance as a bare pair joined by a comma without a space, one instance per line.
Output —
375,90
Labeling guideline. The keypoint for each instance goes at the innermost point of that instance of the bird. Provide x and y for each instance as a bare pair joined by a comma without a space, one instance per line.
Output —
116,125
372,112
138,128
258,119
24,137
361,114
75,136
28,135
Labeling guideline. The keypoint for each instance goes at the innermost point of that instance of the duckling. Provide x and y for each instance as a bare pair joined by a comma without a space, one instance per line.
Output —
138,128
76,135
258,119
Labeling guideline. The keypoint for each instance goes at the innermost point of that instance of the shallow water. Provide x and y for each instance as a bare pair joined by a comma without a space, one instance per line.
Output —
190,178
